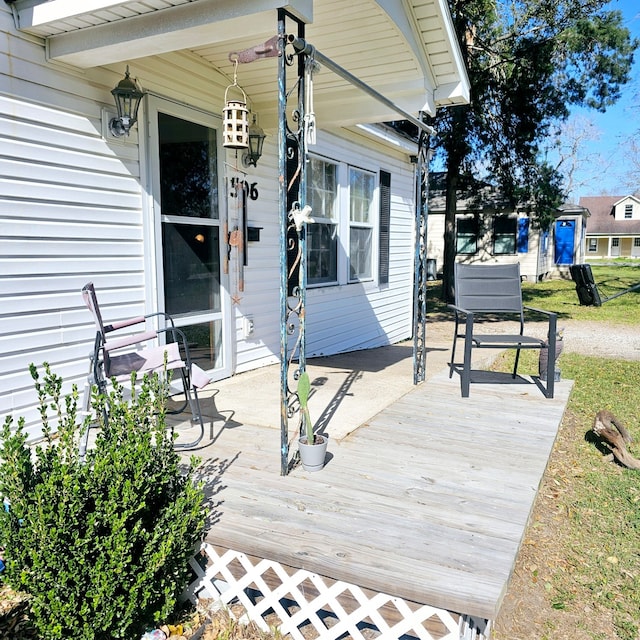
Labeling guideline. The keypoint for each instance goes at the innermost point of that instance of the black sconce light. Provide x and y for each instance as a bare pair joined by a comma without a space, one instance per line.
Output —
127,96
256,141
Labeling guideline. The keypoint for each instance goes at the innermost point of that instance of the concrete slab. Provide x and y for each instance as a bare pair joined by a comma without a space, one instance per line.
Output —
348,390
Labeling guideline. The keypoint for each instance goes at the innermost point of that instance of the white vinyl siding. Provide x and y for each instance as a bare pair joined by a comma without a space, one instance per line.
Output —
76,206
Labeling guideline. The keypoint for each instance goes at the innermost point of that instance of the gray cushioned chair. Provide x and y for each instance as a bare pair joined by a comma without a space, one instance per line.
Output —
494,292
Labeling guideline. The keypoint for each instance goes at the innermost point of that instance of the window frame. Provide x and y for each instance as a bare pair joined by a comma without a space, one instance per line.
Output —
362,224
343,224
474,234
592,246
327,222
503,235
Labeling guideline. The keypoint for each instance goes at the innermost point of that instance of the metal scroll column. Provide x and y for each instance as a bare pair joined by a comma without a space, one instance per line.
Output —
420,259
292,170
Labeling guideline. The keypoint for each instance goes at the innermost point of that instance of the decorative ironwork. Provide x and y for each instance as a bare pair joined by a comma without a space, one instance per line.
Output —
293,180
420,260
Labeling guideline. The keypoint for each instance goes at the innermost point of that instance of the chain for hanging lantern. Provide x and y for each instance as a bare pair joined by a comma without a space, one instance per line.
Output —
235,124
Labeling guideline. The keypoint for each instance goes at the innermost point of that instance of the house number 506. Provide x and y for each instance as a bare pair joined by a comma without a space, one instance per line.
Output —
250,190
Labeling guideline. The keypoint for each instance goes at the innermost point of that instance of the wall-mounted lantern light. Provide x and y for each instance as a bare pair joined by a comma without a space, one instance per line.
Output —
127,97
256,141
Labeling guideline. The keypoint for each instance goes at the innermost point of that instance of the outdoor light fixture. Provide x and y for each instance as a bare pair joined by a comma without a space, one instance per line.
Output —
256,141
127,96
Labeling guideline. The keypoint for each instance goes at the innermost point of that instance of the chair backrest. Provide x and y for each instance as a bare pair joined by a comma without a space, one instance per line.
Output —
90,299
492,288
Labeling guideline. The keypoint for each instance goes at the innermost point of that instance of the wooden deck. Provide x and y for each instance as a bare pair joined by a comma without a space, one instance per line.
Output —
428,501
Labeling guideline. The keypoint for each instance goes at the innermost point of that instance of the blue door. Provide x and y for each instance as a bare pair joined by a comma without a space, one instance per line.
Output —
565,240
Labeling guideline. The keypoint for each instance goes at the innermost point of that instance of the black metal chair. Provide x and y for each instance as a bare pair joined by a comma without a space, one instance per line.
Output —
494,292
146,351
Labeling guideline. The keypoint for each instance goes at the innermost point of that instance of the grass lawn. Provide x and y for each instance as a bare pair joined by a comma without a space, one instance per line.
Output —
578,574
560,296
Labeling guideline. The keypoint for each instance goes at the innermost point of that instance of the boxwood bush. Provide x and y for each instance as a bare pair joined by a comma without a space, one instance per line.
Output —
102,544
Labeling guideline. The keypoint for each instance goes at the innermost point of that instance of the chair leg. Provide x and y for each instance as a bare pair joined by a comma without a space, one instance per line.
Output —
465,377
86,407
453,350
551,368
515,366
191,395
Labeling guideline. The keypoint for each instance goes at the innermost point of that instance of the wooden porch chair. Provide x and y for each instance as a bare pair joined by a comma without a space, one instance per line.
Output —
143,351
494,292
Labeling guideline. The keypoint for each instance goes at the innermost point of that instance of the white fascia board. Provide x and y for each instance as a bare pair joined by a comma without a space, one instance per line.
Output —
179,27
454,92
465,85
37,13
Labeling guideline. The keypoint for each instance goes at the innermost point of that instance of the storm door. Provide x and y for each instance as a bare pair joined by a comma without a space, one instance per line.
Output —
187,203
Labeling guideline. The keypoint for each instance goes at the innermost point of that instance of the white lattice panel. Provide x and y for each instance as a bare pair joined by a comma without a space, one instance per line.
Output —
305,605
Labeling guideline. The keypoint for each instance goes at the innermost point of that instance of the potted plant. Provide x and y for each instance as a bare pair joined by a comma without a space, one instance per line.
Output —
311,446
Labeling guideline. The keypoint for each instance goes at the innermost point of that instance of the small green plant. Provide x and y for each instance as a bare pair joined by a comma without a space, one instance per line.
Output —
101,545
304,389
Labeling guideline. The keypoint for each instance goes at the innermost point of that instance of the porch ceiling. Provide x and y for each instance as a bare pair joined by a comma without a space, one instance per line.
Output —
405,50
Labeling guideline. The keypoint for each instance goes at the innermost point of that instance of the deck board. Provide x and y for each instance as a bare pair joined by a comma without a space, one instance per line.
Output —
427,501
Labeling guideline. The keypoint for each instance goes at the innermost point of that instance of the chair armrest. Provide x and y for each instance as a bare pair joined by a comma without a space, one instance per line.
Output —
553,326
161,314
460,309
114,326
542,311
127,341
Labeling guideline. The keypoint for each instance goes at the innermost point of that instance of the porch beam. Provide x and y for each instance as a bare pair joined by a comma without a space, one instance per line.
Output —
198,23
303,47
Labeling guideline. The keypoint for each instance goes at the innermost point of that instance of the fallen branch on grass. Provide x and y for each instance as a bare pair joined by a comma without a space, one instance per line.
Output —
615,435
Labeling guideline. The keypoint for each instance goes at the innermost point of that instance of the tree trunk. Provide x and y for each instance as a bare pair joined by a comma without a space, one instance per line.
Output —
456,147
449,257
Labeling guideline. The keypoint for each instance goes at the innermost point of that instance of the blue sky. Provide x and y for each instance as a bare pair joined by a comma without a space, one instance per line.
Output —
605,173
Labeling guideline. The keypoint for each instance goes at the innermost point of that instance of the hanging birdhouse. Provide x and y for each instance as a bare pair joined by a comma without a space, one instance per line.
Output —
235,123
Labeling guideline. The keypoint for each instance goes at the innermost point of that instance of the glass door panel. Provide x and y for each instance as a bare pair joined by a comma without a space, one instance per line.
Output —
187,196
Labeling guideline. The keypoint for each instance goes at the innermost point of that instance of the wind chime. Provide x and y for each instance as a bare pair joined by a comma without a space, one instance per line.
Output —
235,132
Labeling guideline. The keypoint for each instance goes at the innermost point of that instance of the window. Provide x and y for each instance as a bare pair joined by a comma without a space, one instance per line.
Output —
636,242
615,242
628,211
322,237
593,245
361,192
344,202
504,235
467,235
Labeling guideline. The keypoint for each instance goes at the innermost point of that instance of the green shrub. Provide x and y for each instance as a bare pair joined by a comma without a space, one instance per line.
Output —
101,545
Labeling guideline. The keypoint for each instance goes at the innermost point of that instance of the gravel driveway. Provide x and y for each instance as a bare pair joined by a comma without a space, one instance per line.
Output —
619,341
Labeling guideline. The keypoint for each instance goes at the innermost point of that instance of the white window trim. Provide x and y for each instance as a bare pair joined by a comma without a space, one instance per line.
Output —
344,223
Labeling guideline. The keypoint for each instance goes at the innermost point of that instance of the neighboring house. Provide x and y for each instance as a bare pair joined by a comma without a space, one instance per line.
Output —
613,229
490,230
149,217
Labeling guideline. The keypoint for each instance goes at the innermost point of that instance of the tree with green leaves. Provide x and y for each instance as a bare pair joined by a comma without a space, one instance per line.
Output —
529,62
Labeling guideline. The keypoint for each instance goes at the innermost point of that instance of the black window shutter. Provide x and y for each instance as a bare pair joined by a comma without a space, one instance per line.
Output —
384,227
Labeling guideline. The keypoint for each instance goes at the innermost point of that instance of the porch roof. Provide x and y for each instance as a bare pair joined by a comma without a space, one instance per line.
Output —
406,51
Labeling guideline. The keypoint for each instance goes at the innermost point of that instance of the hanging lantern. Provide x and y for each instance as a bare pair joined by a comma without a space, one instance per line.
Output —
235,123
